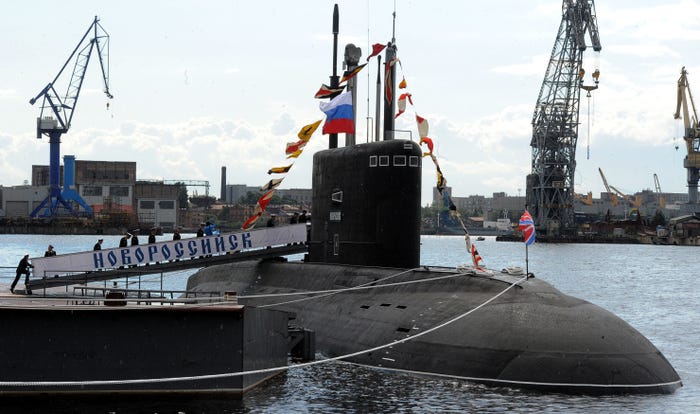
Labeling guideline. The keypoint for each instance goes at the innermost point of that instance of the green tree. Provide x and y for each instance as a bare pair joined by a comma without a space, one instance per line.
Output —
250,198
659,219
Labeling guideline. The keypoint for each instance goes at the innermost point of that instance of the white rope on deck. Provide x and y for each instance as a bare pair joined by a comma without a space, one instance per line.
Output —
258,371
341,357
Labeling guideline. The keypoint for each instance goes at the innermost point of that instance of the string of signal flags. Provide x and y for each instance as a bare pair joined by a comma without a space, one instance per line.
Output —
340,119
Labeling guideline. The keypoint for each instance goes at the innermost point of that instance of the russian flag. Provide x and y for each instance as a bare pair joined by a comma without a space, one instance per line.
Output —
339,115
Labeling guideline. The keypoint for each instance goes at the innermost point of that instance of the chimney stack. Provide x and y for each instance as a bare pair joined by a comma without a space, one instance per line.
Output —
223,184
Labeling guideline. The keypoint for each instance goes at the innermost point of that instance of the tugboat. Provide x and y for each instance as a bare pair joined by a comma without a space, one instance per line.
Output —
363,292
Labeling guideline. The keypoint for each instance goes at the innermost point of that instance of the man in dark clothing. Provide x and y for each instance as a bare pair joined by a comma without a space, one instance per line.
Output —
152,236
135,237
98,245
294,219
22,267
177,236
303,218
124,241
50,252
200,231
272,221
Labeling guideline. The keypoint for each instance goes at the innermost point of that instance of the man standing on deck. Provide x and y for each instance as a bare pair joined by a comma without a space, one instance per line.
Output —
124,241
22,267
50,252
98,245
135,237
152,236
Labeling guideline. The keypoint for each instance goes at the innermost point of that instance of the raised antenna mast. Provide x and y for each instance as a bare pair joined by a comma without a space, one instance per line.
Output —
389,82
393,25
333,138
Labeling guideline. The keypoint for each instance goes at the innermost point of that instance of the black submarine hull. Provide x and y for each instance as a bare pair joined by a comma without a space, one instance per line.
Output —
533,336
365,229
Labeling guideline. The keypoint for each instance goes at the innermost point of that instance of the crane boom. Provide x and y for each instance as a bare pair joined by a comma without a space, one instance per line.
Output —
550,185
686,104
613,196
657,187
61,114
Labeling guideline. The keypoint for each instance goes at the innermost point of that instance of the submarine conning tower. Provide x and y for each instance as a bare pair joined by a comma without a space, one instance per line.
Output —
366,205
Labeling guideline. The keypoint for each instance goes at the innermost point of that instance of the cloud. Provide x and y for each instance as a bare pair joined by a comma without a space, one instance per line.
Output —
283,124
649,49
535,66
673,21
8,93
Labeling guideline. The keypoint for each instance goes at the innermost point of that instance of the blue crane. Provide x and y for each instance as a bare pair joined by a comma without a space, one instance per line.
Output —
60,114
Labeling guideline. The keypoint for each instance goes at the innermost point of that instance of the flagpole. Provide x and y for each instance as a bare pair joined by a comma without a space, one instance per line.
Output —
333,138
527,263
527,226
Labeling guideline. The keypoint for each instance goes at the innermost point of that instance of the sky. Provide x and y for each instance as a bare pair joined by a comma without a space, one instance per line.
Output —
199,85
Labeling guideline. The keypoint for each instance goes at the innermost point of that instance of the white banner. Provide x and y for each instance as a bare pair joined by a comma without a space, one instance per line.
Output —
170,250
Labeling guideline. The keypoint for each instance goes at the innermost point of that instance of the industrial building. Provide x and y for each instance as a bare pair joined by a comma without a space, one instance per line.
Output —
110,188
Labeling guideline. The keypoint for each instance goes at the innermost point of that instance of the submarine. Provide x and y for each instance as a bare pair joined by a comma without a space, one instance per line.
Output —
361,286
362,290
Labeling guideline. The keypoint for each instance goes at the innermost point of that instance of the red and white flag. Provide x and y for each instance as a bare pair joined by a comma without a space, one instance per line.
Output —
422,126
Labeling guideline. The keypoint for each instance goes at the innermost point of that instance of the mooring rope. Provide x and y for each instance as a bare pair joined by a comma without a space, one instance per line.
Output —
368,285
258,371
329,292
340,358
219,300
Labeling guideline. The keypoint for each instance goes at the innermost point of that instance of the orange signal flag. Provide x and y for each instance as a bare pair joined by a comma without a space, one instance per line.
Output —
248,223
293,147
295,154
429,143
387,78
476,258
402,85
265,199
376,49
279,170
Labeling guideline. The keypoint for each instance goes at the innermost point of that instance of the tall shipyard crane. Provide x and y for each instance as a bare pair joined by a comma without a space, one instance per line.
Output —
60,114
691,135
550,185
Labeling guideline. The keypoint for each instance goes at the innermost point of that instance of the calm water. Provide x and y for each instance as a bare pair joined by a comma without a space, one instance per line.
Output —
654,288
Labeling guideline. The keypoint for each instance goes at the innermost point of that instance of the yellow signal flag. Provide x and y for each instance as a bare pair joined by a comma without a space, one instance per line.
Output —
279,170
308,130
